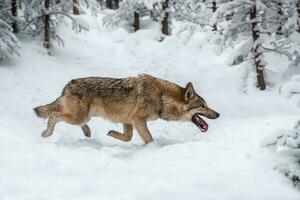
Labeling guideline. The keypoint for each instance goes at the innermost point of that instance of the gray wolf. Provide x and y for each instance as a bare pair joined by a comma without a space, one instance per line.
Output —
132,101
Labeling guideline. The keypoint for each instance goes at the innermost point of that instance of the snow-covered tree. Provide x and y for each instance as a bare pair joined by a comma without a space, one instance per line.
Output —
132,10
8,41
9,13
195,15
288,141
256,50
263,24
44,17
94,6
256,26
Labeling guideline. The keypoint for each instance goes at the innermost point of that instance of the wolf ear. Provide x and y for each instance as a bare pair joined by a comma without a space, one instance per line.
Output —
189,92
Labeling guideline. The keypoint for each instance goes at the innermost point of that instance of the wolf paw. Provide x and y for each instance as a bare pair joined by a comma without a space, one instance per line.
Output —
86,131
119,136
88,134
112,133
46,133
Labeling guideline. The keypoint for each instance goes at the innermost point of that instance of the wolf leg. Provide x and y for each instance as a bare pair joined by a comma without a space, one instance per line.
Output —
86,130
142,129
126,137
50,127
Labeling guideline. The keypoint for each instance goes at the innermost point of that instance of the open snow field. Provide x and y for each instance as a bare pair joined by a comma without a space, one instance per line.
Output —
226,163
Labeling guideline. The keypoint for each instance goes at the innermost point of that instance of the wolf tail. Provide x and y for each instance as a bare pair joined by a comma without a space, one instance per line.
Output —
45,110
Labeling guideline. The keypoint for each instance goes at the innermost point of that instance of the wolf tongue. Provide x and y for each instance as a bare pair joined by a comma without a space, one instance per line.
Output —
202,125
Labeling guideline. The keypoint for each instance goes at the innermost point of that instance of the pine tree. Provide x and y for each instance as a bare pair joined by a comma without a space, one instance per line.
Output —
9,44
264,24
130,11
197,15
288,141
42,19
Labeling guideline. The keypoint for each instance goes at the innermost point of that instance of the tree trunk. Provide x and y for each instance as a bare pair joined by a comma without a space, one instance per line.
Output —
256,50
117,4
14,13
136,21
214,9
47,43
165,22
280,15
109,4
75,7
298,18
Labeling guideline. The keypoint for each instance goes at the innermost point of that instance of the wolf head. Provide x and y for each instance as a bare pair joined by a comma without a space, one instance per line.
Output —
187,107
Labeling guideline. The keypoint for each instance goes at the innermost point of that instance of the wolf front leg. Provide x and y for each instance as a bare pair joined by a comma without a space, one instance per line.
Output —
142,129
126,137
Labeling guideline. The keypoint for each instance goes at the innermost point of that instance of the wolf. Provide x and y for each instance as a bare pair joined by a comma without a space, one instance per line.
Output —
131,101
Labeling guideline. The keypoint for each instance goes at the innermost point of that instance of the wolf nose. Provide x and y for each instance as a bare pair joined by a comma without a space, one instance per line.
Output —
217,115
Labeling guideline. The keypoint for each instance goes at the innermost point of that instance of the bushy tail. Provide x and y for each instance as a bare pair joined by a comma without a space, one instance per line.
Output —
45,111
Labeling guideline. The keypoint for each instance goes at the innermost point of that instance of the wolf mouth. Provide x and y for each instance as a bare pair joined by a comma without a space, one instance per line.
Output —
199,122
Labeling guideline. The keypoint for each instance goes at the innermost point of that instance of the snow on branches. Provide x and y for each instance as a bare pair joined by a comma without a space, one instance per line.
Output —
131,11
286,142
8,41
44,18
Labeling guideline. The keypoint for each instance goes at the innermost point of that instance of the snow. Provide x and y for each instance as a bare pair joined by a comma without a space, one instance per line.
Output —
289,88
148,3
183,163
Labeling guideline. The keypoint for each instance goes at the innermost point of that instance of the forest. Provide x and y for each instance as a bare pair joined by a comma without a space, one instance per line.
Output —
241,56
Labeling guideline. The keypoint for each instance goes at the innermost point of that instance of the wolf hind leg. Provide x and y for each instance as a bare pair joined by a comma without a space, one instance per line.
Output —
56,117
50,127
53,119
126,136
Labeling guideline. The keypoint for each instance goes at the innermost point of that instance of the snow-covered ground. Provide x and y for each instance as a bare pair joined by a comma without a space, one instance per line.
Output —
183,163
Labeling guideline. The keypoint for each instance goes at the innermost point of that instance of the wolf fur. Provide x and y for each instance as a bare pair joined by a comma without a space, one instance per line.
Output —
132,101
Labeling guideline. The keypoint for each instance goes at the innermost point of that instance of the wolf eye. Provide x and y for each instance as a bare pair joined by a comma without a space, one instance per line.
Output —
194,107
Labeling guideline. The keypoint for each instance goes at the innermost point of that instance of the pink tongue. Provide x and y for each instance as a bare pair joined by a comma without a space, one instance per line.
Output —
202,124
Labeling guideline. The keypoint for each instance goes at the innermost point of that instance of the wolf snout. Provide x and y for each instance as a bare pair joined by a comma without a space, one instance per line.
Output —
213,115
217,115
